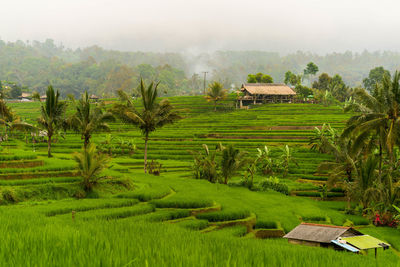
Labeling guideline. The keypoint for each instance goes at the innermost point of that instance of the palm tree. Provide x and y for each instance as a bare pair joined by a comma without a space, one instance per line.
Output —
36,96
232,161
89,119
379,114
52,112
11,121
90,165
216,93
343,171
152,116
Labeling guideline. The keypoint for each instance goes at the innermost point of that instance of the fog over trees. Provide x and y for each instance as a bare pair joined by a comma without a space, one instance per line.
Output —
34,65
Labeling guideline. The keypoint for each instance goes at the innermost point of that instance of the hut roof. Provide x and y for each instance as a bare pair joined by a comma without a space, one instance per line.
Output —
93,97
319,232
268,89
26,95
365,242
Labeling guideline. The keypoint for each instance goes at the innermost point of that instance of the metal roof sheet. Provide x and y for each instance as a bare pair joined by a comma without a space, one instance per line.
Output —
364,242
345,246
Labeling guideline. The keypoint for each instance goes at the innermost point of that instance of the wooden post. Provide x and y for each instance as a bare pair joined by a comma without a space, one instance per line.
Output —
73,215
376,252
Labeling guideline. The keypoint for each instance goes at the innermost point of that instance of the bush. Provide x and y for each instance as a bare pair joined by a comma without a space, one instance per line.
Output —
274,184
266,225
224,215
316,218
9,196
182,203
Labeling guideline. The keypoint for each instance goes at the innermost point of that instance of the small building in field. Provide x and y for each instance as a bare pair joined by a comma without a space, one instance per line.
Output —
94,97
25,97
254,93
331,236
43,97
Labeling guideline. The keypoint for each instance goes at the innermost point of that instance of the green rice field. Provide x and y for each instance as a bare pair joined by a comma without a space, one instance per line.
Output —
137,219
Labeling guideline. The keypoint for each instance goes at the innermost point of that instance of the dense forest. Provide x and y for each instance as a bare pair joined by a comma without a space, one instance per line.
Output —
33,65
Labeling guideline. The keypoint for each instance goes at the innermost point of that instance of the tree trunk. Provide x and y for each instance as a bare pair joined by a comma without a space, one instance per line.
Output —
380,161
215,105
86,142
49,147
145,152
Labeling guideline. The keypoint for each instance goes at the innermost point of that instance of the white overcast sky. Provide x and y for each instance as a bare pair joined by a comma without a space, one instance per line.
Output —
206,25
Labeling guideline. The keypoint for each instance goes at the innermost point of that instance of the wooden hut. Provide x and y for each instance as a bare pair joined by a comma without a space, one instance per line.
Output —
94,97
254,93
337,237
43,97
318,235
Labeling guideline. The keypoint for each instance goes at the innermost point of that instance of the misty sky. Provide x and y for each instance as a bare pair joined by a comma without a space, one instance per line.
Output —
206,25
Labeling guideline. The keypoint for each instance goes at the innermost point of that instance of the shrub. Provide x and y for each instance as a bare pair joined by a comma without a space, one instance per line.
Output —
9,196
224,215
316,218
274,184
266,225
90,165
182,203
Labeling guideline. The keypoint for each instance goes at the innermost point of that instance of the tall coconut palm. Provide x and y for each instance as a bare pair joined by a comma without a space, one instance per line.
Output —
89,119
52,115
150,117
379,114
216,93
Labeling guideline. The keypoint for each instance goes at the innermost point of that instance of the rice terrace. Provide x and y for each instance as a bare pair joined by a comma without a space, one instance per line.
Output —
235,215
199,133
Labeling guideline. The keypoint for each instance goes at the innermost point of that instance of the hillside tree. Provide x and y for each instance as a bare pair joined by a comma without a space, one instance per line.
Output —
152,116
52,114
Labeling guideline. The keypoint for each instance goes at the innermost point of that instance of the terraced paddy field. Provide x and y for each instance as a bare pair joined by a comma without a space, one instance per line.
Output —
136,219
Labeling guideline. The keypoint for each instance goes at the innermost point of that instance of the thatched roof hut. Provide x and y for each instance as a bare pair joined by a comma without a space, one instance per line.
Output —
94,97
265,93
280,89
319,233
26,95
338,237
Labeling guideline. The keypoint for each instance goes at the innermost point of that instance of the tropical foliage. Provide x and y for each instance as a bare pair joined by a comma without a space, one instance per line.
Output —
90,163
52,116
150,117
215,93
89,118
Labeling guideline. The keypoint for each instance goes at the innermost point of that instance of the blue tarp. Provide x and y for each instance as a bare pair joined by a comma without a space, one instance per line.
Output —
345,246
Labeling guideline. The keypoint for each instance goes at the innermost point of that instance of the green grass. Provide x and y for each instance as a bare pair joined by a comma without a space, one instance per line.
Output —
224,215
137,219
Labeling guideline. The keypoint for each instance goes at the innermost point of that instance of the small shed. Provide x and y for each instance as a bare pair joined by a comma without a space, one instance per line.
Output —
94,97
26,95
265,93
337,237
43,97
318,235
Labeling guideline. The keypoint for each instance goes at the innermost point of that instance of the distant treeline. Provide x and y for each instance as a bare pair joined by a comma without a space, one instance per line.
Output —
36,64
